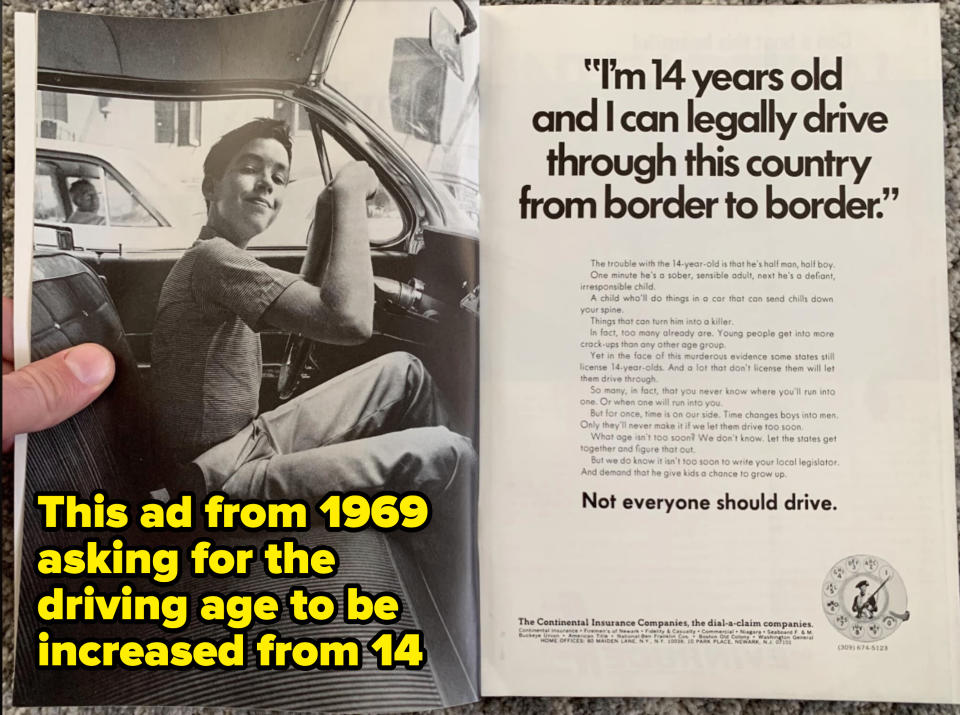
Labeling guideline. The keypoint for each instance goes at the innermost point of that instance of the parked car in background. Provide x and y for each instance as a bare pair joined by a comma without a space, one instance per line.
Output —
131,209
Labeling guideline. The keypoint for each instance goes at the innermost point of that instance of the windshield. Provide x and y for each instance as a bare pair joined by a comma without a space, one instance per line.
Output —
384,65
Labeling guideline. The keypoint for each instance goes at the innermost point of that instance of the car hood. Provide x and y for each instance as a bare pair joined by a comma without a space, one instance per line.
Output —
288,46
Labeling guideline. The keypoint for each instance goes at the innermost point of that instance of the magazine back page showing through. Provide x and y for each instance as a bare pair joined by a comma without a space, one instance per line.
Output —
717,442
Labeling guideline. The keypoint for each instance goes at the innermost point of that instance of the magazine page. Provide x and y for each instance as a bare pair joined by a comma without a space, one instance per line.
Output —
717,424
271,222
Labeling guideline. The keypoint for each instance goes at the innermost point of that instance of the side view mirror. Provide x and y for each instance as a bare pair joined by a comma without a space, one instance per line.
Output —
419,73
418,81
445,41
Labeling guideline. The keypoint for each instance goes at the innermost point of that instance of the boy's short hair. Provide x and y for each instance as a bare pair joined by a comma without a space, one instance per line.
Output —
226,148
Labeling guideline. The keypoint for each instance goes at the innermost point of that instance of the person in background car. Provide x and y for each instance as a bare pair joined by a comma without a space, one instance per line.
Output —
84,196
378,426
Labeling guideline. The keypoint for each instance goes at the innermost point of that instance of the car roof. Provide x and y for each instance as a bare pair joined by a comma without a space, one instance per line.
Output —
220,49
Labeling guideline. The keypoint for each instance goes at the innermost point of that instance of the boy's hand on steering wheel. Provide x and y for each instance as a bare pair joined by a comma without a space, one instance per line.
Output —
355,179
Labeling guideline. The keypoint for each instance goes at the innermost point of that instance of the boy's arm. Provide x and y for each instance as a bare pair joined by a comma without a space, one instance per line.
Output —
334,303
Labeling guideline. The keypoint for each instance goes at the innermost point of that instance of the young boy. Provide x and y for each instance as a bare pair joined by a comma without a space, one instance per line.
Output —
379,426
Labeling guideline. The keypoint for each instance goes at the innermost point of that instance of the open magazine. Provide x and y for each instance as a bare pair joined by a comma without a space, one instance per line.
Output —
698,445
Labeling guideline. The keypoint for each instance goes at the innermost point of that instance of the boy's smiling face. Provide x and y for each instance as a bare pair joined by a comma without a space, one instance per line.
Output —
246,199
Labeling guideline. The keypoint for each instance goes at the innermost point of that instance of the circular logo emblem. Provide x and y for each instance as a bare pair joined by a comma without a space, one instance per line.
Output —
864,598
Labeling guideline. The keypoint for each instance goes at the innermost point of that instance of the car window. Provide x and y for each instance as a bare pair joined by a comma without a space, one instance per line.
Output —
385,219
149,183
70,191
370,70
124,208
307,181
48,204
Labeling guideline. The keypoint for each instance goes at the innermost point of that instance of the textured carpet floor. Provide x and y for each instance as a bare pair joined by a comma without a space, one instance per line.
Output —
950,24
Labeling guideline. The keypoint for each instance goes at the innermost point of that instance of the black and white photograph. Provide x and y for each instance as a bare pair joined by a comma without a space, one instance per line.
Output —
271,221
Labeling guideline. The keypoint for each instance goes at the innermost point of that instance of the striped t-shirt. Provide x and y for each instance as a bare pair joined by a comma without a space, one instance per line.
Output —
206,360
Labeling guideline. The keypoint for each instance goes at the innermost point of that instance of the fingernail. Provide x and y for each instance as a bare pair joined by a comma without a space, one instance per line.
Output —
90,364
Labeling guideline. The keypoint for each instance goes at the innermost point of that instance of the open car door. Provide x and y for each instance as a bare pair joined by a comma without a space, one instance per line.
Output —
427,271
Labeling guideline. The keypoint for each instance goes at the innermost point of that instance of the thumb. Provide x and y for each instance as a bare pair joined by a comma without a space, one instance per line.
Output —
49,391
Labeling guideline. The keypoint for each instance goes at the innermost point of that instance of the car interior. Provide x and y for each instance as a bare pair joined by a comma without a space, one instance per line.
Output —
427,304
110,299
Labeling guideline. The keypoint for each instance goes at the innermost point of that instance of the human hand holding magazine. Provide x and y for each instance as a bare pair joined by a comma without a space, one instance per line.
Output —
713,434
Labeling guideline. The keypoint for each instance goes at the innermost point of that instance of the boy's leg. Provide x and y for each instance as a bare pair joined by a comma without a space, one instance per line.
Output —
432,460
391,393
425,459
343,436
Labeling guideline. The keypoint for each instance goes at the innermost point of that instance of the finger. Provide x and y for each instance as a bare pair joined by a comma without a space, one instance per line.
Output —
7,329
51,390
7,367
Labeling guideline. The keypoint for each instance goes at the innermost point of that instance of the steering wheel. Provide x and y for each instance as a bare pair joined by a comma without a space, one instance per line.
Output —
406,299
294,364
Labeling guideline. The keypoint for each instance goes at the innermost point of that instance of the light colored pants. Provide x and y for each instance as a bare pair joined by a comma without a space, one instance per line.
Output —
376,427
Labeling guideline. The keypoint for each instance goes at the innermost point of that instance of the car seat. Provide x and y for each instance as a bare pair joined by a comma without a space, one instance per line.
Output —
109,447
